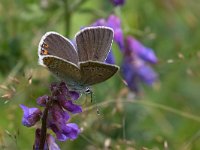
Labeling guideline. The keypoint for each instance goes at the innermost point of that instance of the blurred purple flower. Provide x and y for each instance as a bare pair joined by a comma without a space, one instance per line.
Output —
65,97
115,23
110,58
57,120
37,140
134,68
50,143
70,106
147,74
42,101
117,2
145,53
100,22
130,76
31,115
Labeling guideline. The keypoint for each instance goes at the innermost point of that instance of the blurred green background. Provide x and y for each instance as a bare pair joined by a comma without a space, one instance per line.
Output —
165,116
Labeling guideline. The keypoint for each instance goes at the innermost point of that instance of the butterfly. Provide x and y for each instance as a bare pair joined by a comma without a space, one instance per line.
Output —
82,64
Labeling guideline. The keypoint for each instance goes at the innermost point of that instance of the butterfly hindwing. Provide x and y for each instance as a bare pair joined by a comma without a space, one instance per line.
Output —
63,69
94,43
96,72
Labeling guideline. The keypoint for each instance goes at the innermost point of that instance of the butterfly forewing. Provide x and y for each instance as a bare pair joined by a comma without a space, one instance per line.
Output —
63,69
94,43
55,44
96,72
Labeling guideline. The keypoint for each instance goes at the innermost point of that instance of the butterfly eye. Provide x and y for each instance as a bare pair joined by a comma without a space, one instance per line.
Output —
88,90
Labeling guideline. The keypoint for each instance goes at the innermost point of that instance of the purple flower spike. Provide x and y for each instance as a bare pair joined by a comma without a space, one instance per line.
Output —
57,119
73,131
100,22
134,68
65,98
118,2
143,52
37,140
115,23
63,88
57,114
130,76
74,95
119,39
68,105
147,74
69,131
42,100
31,115
51,143
110,58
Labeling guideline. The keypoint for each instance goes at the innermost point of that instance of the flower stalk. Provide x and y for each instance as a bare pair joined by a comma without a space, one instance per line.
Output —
44,128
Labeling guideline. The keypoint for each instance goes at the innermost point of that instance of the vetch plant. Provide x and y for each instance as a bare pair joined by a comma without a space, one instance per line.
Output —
118,2
55,116
80,65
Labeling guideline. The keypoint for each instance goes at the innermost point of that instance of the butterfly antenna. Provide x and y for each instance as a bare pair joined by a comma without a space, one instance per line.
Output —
97,108
89,91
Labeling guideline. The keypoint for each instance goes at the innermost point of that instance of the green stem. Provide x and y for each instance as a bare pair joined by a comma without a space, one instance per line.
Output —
69,9
43,128
67,23
67,17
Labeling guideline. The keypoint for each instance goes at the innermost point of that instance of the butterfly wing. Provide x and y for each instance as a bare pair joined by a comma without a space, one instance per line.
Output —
54,44
63,69
96,72
94,43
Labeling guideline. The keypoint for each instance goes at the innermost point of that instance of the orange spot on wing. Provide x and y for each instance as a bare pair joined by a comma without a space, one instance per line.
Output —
45,45
44,52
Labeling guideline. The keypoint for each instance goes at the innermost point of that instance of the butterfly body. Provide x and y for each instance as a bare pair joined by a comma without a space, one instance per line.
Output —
80,65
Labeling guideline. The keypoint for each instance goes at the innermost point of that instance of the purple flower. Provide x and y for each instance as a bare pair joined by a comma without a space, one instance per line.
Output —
56,116
57,121
100,22
42,101
130,76
70,106
110,58
145,53
50,143
31,115
134,68
65,98
37,140
115,23
147,74
117,2
74,95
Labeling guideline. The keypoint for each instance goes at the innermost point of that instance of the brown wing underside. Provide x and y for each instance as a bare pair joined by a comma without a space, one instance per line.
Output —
63,69
90,72
95,72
